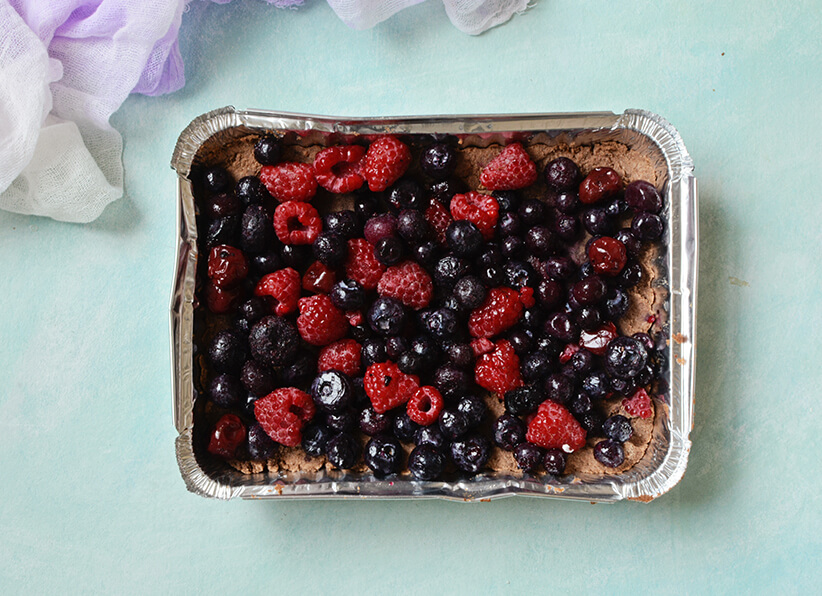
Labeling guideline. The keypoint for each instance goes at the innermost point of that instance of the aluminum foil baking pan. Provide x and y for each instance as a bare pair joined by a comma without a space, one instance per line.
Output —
666,458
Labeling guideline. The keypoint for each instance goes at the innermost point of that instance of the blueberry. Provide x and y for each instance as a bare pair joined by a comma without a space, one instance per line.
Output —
562,174
342,451
330,249
298,256
630,275
258,379
394,346
643,196
597,222
508,431
509,224
256,231
470,454
535,366
566,202
596,385
383,454
567,227
267,262
251,191
410,363
523,400
373,423
558,268
425,463
533,319
223,230
470,292
449,270
558,388
343,422
365,205
301,371
406,194
631,242
216,179
512,247
315,439
332,391
380,226
588,318
222,205
647,226
549,345
490,256
254,309
430,435
528,456
560,326
549,293
453,423
260,445
438,161
508,200
450,380
274,341
532,212
426,252
464,238
591,421
227,351
615,207
225,391
519,274
555,461
386,316
522,341
609,453
580,404
389,251
267,150
540,241
491,275
412,226
403,427
474,409
616,303
442,323
426,348
617,428
444,190
582,361
347,294
343,223
460,355
625,357
590,290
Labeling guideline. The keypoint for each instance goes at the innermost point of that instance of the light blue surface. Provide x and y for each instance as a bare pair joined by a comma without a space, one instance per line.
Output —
92,500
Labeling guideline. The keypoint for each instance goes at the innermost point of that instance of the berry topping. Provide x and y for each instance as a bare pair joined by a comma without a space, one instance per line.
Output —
338,169
332,391
256,231
216,179
600,184
296,223
342,451
267,150
438,219
409,283
555,461
498,371
383,454
554,426
260,445
228,435
438,161
508,431
361,265
647,226
283,287
425,405
386,161
528,456
470,454
639,405
625,357
561,174
607,255
273,341
320,322
343,355
406,194
227,351
386,316
510,170
617,428
373,423
501,310
609,453
481,210
643,196
597,341
283,413
330,249
226,266
289,181
388,387
523,400
225,390
257,378
425,462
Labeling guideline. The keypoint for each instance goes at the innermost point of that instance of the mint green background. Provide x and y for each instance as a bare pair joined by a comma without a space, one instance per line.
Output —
92,500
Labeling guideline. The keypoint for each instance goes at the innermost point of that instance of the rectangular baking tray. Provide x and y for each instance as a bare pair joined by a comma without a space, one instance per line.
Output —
667,456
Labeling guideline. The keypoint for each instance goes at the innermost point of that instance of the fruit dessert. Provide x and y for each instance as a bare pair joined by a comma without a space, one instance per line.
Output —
426,307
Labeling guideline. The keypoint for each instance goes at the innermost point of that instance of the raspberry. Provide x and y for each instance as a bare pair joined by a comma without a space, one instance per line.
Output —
284,287
386,160
425,405
512,169
319,278
297,223
362,266
439,219
219,300
354,317
229,433
227,266
283,414
407,282
498,371
343,355
482,346
388,387
481,210
500,311
289,181
554,427
320,322
639,405
526,296
338,168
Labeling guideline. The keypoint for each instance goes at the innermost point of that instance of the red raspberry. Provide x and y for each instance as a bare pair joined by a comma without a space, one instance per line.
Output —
229,433
600,184
482,346
407,282
438,218
226,266
554,427
568,353
354,317
343,355
297,223
481,210
284,287
498,371
220,301
386,160
512,169
320,322
597,341
289,181
500,311
607,255
526,296
283,413
387,386
639,405
361,265
319,278
338,169
425,405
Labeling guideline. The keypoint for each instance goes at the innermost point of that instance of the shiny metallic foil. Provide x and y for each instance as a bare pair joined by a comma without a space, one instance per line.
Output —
666,458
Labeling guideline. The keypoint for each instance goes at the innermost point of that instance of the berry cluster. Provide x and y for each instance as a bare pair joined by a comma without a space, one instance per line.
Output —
353,332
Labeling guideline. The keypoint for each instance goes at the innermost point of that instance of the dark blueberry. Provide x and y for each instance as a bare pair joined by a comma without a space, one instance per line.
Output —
227,351
491,275
567,227
386,316
591,421
519,274
412,226
509,224
645,376
582,361
425,463
380,226
511,246
248,406
450,301
532,212
373,423
251,191
361,399
224,230
533,318
522,341
301,371
298,256
523,400
453,423
450,380
643,196
597,222
442,323
332,391
528,456
464,238
216,179
508,431
580,404
590,290
558,388
426,348
562,174
588,318
631,242
549,293
616,303
555,461
267,150
225,391
347,295
430,435
617,428
490,256
609,453
257,378
365,205
406,194
449,270
444,190
256,229
342,422
254,309
474,409
647,226
567,202
596,385
389,251
410,363
470,292
540,241
315,438
267,262
549,345
223,205
394,346
615,207
342,451
274,341
508,200
630,276
558,268
625,357
460,355
470,454
403,427
260,445
330,249
242,326
438,161
560,326
426,253
646,340
534,366
383,454
343,223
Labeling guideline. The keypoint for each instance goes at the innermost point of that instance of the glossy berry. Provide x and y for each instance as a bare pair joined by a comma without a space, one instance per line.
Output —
617,428
380,226
227,351
625,357
332,391
616,303
442,323
474,408
562,174
267,150
438,161
590,290
283,413
607,255
216,179
560,326
224,230
534,366
256,231
282,288
481,210
222,205
228,434
567,227
296,222
567,202
342,451
257,378
498,371
470,292
425,462
409,283
554,426
453,423
320,322
383,454
600,184
595,385
373,423
385,162
319,278
470,454
315,438
528,456
508,431
501,310
347,295
523,400
251,191
407,194
512,169
412,226
639,404
386,316
609,453
343,355
647,226
425,406
643,196
630,276
227,266
362,265
388,387
539,241
450,380
260,445
296,256
225,391
508,200
464,238
532,212
330,249
345,223
597,222
338,169
555,461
